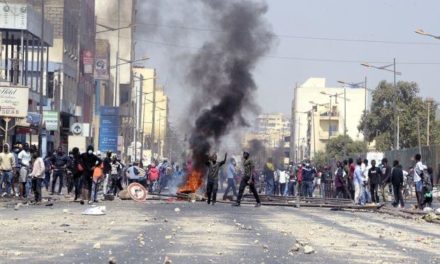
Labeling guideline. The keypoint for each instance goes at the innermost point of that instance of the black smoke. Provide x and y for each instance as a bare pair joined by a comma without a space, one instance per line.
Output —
221,72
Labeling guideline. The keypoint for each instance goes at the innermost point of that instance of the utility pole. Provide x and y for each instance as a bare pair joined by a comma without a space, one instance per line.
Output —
153,124
418,135
395,104
41,132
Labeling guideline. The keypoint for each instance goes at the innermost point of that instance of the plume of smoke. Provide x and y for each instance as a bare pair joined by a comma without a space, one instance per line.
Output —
221,72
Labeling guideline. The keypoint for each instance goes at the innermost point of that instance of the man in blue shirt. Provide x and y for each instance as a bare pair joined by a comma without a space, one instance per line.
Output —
308,175
231,173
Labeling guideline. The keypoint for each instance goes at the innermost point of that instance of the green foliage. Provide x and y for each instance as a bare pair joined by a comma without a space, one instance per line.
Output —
380,123
336,148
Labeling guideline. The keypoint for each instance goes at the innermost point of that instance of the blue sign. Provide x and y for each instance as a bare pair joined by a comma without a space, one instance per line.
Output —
109,128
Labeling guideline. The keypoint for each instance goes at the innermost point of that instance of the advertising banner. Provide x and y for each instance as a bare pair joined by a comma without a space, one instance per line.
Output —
101,69
88,62
14,101
51,119
109,129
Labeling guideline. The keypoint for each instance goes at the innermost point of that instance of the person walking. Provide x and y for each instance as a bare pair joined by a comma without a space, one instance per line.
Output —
213,171
77,171
37,175
48,169
374,176
7,167
231,173
269,177
247,180
89,161
115,177
107,170
397,182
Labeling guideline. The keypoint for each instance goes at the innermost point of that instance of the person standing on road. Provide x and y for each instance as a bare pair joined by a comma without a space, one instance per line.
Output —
231,173
60,162
213,171
350,180
374,178
386,177
340,185
397,182
7,167
308,176
24,158
246,180
292,180
89,162
48,169
269,178
357,182
115,178
37,175
107,170
77,170
419,169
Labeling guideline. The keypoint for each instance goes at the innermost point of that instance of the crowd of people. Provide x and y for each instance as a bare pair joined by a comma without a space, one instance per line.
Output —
84,176
87,175
360,180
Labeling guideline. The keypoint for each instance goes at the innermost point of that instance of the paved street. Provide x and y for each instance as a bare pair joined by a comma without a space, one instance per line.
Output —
132,232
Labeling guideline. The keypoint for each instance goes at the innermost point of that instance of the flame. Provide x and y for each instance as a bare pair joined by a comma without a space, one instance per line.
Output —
193,182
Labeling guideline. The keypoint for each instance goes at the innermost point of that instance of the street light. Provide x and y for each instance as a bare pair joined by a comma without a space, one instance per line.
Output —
422,32
395,73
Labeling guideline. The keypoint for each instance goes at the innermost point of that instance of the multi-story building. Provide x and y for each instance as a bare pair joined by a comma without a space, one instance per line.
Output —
320,113
22,61
152,117
273,131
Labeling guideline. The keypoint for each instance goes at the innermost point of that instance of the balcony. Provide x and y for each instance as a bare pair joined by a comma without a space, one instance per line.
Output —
323,135
333,115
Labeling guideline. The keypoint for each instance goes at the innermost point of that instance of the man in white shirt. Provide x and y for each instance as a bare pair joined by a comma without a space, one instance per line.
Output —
24,158
7,166
418,177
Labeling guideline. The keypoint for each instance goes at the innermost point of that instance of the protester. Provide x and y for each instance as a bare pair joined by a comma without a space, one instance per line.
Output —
292,180
59,163
24,158
7,166
326,178
115,176
134,175
365,195
212,184
16,172
37,175
88,161
358,182
351,166
419,169
374,176
269,178
97,179
153,177
247,180
107,170
231,174
48,169
299,178
308,176
340,182
385,180
427,188
77,171
397,182
283,179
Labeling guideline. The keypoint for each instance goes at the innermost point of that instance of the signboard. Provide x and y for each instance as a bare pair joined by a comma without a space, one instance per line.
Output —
14,101
101,69
108,129
51,120
76,129
88,62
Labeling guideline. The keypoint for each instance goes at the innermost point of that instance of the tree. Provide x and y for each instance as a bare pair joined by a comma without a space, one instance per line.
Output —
380,123
336,147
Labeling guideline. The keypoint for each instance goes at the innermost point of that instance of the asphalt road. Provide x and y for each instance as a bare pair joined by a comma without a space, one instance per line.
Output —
150,232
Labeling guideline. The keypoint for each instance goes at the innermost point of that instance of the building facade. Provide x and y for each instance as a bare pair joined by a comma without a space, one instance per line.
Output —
320,113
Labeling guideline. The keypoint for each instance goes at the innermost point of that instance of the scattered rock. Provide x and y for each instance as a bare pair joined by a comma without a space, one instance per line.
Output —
65,211
308,250
167,261
17,253
97,245
354,244
168,237
295,248
165,220
112,260
265,247
177,210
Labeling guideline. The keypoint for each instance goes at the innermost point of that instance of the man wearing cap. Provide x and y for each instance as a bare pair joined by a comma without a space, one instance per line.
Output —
7,166
246,180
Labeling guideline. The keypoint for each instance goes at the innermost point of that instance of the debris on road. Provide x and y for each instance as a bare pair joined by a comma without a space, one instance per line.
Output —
308,250
94,211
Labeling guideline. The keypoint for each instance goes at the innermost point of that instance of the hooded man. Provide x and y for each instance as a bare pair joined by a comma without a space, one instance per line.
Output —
89,162
7,166
59,162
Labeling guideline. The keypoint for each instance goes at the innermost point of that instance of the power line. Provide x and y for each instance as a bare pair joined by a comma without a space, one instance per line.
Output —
287,36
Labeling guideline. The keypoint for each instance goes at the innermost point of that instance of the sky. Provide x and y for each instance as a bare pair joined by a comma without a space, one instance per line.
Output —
315,38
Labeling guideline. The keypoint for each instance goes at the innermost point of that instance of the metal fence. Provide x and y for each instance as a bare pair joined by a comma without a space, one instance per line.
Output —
430,157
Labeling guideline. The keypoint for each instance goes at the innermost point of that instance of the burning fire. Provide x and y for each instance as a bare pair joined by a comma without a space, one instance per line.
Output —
193,182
